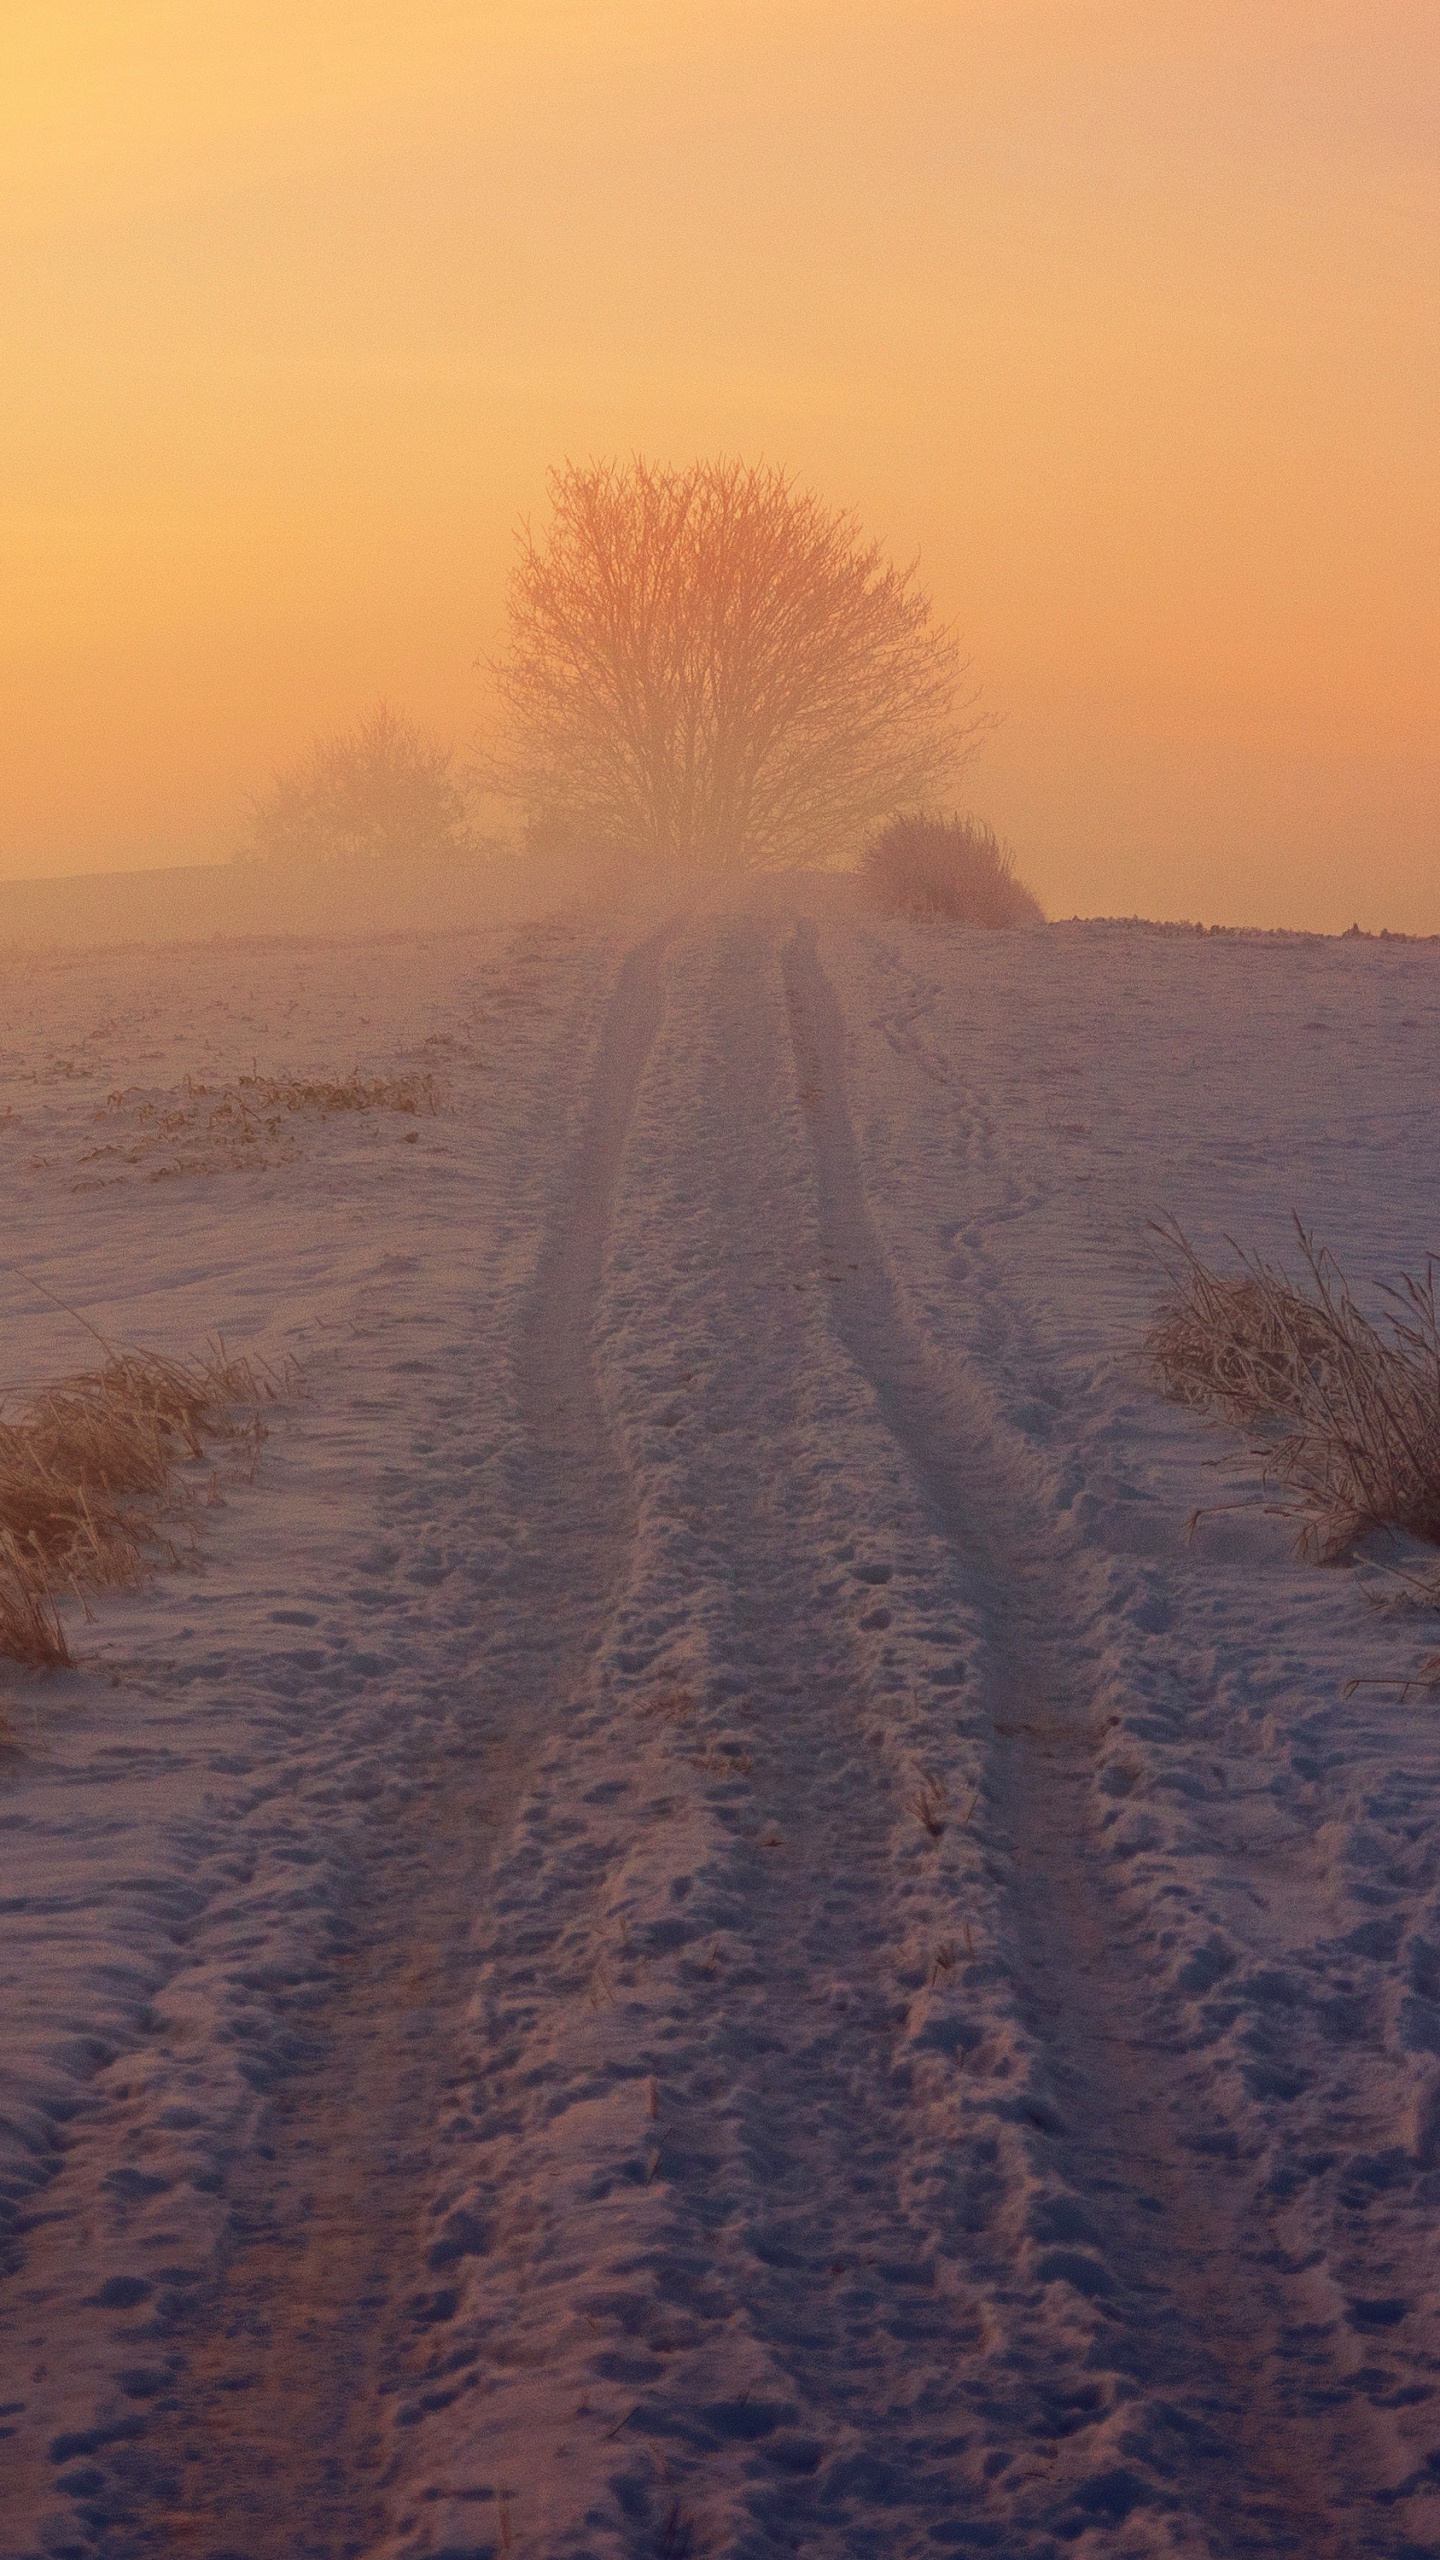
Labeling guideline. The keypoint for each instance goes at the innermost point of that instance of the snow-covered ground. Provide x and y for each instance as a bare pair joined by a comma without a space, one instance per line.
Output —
705,1930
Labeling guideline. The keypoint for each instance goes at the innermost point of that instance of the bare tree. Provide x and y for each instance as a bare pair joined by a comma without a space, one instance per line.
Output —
708,666
385,787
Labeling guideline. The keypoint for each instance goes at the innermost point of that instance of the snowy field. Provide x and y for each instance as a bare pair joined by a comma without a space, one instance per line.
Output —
704,1929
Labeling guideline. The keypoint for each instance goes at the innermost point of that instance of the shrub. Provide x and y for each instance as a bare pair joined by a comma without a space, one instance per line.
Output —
385,790
1346,1412
929,867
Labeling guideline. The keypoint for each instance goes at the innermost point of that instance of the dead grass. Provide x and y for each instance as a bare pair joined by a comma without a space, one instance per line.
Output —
1422,1682
1344,1411
232,1124
89,1480
930,1806
677,2533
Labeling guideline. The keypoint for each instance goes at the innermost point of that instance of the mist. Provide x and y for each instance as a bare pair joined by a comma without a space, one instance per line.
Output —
1115,321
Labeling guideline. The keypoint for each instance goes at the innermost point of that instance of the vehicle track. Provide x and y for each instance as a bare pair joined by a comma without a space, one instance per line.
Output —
272,2441
1236,2411
717,2302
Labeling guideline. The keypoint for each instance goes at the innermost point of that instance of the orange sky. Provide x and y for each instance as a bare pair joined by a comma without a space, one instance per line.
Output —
1123,313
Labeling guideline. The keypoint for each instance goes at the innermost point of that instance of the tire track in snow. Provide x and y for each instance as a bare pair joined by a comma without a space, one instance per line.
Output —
1235,2426
706,2260
274,2439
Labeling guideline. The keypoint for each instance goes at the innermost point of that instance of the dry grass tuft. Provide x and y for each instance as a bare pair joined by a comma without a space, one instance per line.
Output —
87,1480
930,1806
677,2533
328,1095
234,1123
1346,1412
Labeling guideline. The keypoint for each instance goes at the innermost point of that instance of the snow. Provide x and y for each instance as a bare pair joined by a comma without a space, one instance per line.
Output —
706,1929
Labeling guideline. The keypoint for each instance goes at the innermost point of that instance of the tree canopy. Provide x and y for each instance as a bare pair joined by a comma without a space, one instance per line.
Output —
385,787
708,666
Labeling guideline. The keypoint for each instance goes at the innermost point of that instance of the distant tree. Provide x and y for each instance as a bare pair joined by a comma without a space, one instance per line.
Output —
708,666
385,787
926,866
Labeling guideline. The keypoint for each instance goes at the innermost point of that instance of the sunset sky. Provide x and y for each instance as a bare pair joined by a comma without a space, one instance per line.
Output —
1123,314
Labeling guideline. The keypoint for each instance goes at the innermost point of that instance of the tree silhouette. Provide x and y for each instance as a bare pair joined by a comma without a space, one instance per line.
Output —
385,787
709,666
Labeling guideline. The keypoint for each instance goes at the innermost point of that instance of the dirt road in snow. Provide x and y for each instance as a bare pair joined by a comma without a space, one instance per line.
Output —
750,2108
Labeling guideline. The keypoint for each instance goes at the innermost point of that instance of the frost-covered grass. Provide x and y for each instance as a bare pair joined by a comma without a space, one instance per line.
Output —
233,1123
1348,1411
88,1478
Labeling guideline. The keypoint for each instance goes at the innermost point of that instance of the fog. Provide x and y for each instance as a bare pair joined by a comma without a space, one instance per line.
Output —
1115,318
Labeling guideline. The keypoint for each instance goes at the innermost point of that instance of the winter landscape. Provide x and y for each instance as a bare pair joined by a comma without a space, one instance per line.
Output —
719,1355
707,1919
